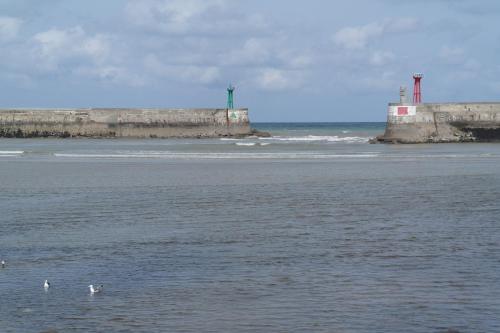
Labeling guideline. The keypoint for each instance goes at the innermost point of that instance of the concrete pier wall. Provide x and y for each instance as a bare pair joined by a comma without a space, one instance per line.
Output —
140,123
442,122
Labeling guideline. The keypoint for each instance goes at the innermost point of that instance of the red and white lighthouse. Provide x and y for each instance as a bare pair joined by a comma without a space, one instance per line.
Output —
417,92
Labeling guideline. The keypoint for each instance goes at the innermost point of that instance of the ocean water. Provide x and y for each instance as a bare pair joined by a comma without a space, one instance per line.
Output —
311,230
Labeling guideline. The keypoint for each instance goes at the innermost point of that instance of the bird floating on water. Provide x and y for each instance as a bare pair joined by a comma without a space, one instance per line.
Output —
46,285
95,290
3,263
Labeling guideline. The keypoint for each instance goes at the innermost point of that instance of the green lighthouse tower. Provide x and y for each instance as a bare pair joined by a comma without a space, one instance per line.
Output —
230,99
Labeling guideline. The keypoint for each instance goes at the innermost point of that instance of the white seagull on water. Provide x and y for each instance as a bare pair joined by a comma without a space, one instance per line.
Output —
3,263
46,285
95,290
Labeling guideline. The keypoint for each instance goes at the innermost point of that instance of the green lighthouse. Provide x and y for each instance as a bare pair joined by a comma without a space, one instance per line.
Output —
230,99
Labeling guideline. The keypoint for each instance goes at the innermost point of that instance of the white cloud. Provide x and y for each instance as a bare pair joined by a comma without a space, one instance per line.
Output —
202,55
355,38
114,74
55,46
384,81
185,73
253,52
193,17
401,24
299,61
273,79
78,53
264,52
381,58
171,16
9,28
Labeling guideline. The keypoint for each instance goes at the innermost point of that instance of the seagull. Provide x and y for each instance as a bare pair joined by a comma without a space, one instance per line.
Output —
46,285
96,290
3,263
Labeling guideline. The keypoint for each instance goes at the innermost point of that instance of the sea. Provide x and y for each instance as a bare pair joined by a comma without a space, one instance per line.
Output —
310,230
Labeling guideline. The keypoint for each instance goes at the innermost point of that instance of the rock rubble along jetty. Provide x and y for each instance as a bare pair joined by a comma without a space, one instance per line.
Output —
136,123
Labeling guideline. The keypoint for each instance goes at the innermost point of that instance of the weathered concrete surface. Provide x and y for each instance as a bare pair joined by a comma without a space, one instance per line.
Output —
139,123
442,122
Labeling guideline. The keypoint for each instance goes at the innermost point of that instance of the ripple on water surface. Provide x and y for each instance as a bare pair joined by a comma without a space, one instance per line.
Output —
403,241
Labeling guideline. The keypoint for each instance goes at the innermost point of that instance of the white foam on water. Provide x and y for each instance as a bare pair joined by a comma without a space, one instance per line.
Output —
11,152
117,155
167,155
442,156
245,143
319,138
264,143
262,155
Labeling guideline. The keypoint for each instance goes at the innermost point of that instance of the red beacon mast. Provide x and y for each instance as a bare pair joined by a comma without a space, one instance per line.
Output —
417,92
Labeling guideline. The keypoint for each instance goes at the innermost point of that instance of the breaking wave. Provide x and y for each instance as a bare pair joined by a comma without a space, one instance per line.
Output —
171,155
320,138
256,154
251,144
11,152
245,143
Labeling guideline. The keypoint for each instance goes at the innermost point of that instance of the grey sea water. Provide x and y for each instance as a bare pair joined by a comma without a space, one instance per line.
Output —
312,230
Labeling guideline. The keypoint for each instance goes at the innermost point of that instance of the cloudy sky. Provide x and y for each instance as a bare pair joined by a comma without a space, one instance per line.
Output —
291,60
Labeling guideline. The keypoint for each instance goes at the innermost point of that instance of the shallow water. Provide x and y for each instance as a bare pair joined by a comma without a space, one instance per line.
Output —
311,232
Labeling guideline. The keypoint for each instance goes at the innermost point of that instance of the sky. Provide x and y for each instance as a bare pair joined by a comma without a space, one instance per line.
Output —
290,60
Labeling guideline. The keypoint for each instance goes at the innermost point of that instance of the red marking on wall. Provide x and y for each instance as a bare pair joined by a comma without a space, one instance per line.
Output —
402,111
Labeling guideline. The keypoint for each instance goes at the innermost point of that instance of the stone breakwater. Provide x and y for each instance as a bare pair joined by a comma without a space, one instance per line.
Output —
137,123
442,122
